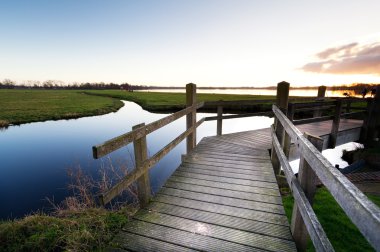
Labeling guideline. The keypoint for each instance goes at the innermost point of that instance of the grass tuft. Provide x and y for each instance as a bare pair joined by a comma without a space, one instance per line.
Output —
342,233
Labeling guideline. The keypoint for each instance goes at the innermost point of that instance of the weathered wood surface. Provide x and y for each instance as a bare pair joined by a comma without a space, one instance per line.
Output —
314,228
217,200
223,197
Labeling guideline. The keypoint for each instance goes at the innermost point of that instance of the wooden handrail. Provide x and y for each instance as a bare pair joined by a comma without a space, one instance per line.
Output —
314,228
122,185
314,108
362,212
238,102
120,141
299,105
314,119
266,113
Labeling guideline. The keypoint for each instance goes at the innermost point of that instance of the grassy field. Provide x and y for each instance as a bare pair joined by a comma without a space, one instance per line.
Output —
22,106
342,233
155,101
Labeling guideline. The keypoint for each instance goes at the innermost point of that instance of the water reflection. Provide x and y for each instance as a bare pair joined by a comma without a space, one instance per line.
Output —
35,157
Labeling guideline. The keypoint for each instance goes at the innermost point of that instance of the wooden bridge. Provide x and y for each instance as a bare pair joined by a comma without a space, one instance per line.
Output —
225,197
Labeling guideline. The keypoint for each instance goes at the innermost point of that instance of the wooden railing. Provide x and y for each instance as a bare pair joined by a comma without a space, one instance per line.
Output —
362,212
220,104
338,107
138,137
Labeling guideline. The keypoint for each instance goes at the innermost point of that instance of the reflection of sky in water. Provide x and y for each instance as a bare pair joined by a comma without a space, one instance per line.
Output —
35,157
334,156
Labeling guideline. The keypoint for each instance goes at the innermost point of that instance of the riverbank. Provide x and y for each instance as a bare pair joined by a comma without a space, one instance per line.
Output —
25,106
171,102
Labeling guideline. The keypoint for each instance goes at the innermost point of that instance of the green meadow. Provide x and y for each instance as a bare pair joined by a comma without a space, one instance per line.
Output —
23,106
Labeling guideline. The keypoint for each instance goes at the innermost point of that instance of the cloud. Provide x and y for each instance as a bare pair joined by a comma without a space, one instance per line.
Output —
335,51
352,58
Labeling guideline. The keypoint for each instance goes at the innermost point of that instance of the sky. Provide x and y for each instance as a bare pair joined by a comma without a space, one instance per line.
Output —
207,42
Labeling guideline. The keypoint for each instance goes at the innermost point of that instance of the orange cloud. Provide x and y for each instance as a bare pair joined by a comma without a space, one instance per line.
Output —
347,59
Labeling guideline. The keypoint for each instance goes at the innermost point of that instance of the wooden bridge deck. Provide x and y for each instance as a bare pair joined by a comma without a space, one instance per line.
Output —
223,197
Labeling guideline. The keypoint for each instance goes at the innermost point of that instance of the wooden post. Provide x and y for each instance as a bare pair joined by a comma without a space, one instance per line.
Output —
287,139
282,99
369,111
141,154
374,118
348,107
219,121
335,124
191,118
307,179
320,97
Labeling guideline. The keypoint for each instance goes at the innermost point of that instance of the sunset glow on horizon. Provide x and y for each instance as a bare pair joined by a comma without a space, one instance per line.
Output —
210,42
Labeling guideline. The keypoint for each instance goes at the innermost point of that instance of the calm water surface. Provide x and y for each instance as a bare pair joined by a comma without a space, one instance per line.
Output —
35,157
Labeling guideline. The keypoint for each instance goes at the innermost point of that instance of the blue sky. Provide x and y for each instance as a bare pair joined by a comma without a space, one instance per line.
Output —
208,42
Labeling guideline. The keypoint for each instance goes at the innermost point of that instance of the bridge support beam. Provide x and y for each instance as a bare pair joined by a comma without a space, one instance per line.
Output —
282,99
320,97
307,179
371,125
219,121
191,118
141,154
335,124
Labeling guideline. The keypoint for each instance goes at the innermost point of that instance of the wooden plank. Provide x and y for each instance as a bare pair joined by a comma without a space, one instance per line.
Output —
232,169
244,182
224,192
253,240
238,223
267,217
134,242
268,178
258,167
230,156
182,238
227,160
221,200
227,186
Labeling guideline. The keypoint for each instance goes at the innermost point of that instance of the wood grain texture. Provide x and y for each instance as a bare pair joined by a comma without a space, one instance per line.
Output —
223,197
